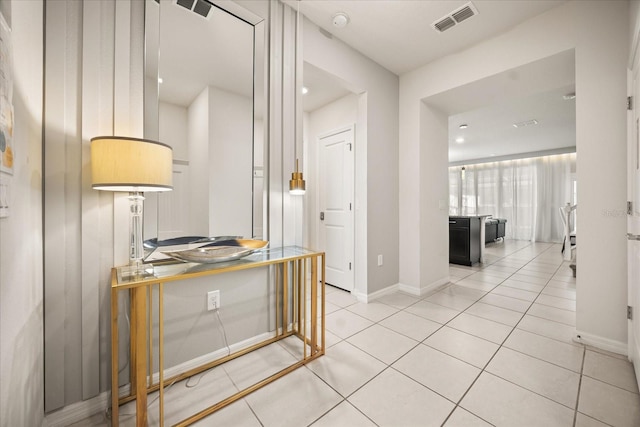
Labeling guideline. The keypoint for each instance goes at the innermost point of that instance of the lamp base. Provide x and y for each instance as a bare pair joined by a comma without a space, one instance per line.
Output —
137,270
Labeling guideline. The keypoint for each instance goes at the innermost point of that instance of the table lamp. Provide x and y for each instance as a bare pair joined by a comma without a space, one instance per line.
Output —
136,166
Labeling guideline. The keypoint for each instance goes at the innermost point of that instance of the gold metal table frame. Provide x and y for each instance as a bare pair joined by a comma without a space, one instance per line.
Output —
299,276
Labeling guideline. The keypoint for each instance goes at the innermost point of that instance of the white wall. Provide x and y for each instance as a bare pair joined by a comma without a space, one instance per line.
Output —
21,327
172,121
376,187
598,31
220,152
198,156
230,163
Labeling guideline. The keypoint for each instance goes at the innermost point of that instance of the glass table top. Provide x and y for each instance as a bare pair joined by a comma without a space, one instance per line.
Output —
177,270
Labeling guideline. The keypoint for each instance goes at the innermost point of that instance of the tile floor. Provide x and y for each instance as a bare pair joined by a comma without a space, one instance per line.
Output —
493,347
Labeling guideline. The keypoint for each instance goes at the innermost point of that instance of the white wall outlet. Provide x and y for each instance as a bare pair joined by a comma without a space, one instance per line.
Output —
380,260
213,300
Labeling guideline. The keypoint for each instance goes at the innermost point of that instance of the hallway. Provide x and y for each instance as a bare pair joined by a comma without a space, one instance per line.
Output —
494,347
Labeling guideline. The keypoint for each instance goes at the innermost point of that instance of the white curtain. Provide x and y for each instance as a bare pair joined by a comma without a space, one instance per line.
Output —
525,192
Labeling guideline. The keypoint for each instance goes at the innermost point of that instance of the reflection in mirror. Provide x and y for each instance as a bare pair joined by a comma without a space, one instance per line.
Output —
199,98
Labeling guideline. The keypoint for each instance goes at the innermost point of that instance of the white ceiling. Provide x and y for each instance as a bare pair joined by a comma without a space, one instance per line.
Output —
492,105
323,88
195,52
398,35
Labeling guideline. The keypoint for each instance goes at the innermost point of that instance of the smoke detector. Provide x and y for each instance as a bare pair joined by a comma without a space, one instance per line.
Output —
457,16
340,20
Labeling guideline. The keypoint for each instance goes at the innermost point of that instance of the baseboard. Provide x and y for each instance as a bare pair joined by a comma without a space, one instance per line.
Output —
601,342
411,290
423,290
214,355
367,298
80,410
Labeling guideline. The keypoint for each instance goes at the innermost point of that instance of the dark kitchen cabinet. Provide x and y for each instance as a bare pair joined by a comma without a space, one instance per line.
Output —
464,240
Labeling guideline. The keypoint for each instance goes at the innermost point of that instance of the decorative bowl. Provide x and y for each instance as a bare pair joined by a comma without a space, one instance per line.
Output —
223,251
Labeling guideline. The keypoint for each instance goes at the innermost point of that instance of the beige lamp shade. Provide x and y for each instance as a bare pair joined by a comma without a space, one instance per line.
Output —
130,164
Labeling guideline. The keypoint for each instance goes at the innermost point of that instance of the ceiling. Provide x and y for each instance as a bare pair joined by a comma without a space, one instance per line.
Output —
398,35
195,53
491,106
323,88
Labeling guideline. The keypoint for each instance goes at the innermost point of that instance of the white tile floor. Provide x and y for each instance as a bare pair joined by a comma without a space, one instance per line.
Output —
493,347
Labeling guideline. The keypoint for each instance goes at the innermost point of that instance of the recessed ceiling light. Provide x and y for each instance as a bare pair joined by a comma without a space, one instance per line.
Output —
525,123
340,20
460,140
569,96
464,126
305,90
493,154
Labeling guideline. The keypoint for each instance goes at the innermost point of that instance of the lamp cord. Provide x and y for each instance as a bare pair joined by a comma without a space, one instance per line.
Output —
221,328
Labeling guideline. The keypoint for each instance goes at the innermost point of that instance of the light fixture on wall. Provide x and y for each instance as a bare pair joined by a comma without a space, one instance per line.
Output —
132,165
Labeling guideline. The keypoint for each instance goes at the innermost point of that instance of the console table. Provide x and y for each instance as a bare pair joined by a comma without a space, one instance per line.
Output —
298,275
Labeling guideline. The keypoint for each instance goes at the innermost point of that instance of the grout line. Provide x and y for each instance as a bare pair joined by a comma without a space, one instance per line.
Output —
423,298
575,414
506,338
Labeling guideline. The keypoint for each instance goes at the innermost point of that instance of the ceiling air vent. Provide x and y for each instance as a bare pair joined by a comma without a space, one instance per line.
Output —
444,24
525,123
200,7
457,16
186,3
462,14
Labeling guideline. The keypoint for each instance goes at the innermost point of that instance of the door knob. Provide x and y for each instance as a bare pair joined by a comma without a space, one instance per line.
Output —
633,236
321,216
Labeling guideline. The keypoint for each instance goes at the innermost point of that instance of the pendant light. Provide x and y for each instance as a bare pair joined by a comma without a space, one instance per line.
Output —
297,185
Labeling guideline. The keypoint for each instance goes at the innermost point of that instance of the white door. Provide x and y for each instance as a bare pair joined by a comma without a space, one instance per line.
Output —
335,200
633,226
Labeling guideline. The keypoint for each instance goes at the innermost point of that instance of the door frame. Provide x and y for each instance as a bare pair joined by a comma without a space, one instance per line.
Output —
633,195
316,218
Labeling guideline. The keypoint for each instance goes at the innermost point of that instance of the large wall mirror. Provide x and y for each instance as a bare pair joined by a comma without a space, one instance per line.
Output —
204,96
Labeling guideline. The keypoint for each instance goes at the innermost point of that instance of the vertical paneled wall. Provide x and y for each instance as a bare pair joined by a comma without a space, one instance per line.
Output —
285,125
94,86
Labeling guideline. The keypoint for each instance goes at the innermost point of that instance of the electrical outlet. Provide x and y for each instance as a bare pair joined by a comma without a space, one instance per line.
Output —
213,300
